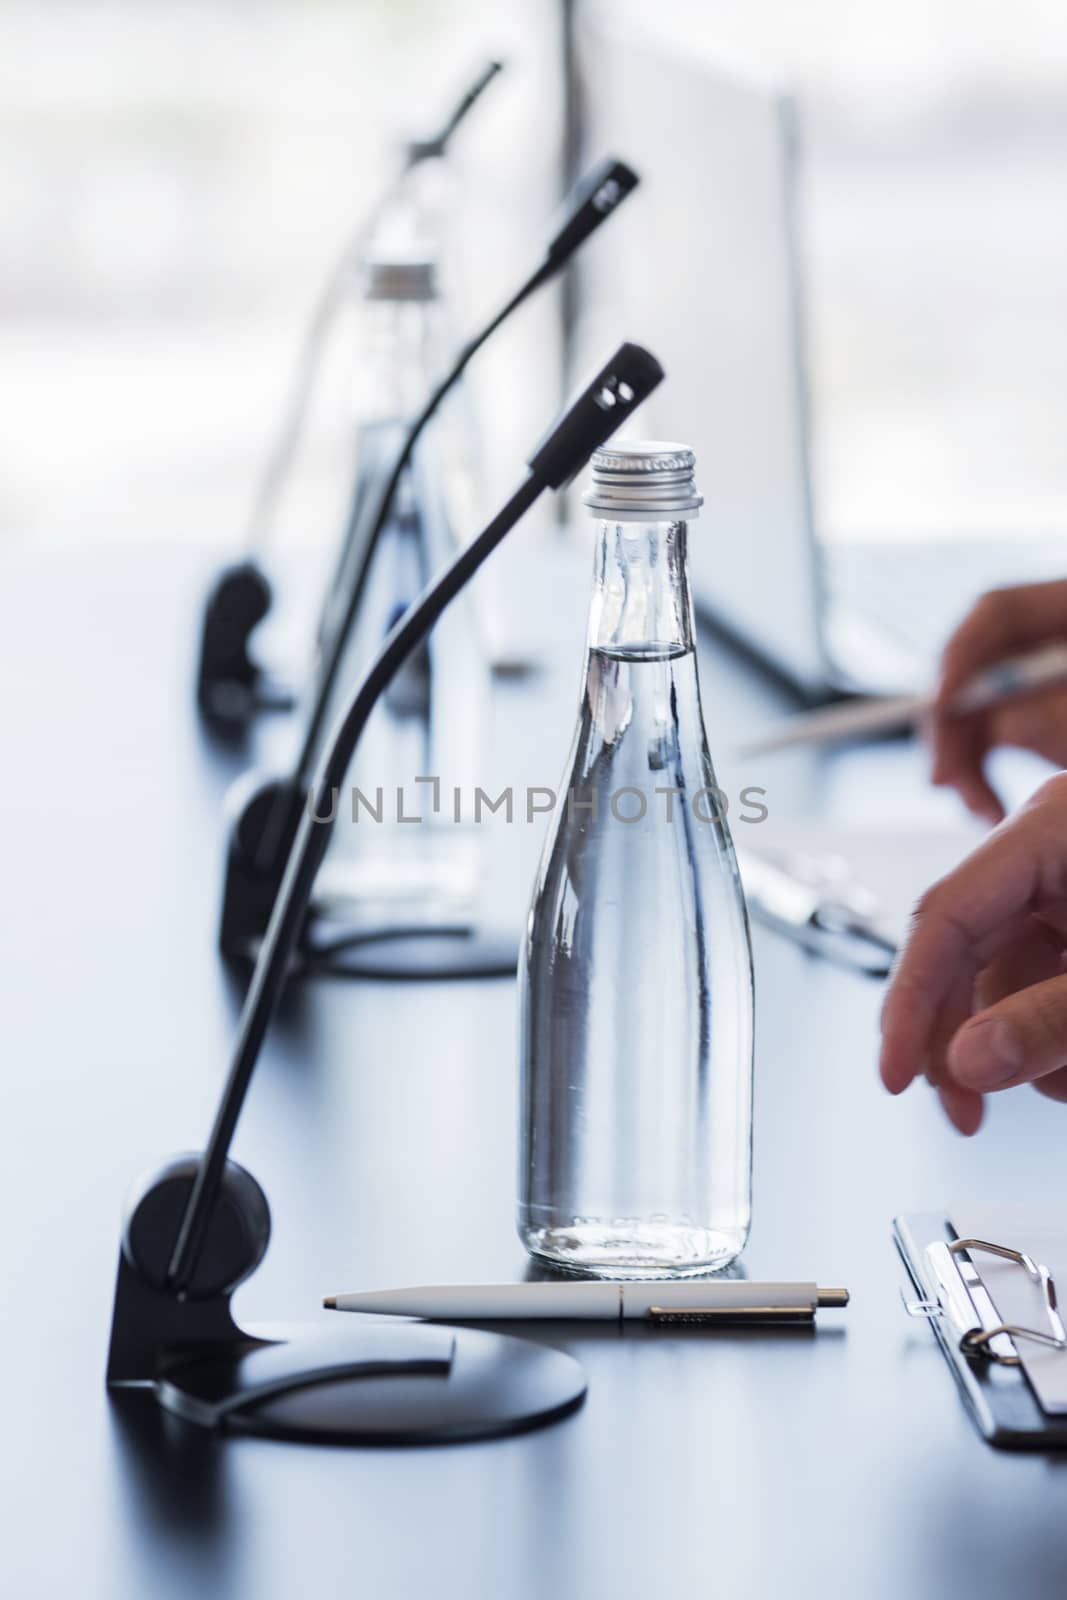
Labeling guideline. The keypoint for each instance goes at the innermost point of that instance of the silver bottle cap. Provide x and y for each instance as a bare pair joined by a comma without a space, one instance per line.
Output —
643,479
399,277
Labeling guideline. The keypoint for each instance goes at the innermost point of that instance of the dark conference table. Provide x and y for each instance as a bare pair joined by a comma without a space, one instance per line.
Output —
382,1126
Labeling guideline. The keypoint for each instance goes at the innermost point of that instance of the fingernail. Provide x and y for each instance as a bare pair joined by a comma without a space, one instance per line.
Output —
985,1055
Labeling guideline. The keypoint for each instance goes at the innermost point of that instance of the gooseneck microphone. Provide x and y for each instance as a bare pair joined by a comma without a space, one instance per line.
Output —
230,684
591,202
201,1225
264,827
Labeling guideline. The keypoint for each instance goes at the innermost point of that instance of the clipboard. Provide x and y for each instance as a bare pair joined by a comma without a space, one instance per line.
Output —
981,1350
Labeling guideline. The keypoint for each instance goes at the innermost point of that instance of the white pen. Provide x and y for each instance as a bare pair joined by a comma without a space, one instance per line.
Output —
695,1300
1019,675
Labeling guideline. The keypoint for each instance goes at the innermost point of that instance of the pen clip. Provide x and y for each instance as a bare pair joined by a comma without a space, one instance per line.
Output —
704,1316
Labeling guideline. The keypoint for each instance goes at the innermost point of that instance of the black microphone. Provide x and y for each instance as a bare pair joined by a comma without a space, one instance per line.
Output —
230,685
263,822
437,144
594,198
201,1225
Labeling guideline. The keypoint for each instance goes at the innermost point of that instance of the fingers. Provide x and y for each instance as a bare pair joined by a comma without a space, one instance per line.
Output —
1036,955
1020,1039
961,1105
1054,1085
947,946
1035,722
977,927
968,918
959,746
1000,623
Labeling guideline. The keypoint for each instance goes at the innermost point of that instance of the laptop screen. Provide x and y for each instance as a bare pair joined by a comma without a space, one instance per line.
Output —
701,267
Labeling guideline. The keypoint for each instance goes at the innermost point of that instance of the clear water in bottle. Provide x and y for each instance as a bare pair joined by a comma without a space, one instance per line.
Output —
637,976
385,873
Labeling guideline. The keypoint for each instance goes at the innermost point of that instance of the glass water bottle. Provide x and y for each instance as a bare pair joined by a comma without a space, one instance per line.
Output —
399,341
636,1102
400,859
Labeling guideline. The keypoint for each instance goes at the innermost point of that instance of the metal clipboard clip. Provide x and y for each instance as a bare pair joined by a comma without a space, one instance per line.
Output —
964,1301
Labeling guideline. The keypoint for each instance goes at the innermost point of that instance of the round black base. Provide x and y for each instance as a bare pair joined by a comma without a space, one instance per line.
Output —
383,1382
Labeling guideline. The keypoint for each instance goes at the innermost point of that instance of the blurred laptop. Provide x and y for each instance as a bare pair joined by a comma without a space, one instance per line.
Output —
702,267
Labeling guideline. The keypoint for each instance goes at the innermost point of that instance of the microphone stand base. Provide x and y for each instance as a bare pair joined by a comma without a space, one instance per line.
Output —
264,817
355,1380
400,955
386,1381
411,954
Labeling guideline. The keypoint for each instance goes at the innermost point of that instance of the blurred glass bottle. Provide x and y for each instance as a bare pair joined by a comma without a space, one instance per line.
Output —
398,346
420,214
637,992
382,871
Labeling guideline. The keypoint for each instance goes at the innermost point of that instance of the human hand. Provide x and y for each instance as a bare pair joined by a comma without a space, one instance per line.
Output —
1004,622
978,998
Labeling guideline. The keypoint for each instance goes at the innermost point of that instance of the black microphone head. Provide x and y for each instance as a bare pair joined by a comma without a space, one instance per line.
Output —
601,408
592,199
486,76
417,150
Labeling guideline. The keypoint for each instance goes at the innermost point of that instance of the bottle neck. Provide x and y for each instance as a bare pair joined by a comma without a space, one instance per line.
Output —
401,355
641,606
418,214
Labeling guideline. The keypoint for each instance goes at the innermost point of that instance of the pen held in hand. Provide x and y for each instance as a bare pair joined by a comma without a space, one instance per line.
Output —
855,719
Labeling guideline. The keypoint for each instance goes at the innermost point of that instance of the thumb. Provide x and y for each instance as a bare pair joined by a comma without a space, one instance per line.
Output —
1020,1039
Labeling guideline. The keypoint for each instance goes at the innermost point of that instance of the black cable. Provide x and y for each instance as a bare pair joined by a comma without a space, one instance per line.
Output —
614,393
331,297
334,647
593,200
440,142
290,906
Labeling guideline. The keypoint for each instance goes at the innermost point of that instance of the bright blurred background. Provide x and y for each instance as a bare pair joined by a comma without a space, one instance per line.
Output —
176,176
